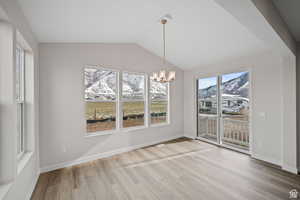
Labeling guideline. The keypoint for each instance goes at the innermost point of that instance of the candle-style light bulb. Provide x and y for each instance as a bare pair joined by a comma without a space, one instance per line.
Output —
171,76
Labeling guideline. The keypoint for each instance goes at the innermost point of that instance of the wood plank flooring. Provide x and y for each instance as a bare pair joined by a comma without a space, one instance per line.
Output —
182,169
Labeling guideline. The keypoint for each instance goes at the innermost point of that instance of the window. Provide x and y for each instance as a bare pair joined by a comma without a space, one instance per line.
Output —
20,99
159,102
133,99
120,100
101,99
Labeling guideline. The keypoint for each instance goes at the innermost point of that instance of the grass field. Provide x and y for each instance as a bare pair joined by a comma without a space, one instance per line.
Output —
101,116
157,107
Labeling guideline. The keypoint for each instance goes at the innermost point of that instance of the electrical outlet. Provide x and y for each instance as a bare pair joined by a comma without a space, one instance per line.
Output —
262,115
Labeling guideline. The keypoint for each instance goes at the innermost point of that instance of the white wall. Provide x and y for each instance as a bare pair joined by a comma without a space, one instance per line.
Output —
286,45
22,183
62,106
266,99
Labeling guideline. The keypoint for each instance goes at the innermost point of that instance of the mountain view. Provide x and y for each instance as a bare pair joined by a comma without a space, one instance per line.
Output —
100,85
233,106
133,86
238,86
101,92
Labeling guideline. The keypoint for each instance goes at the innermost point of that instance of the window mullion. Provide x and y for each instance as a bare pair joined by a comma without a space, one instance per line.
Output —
147,100
120,101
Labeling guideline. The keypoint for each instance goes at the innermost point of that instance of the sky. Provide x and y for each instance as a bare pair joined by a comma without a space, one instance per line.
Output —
206,82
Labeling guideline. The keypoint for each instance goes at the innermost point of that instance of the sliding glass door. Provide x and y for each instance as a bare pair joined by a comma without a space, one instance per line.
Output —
223,106
235,110
207,100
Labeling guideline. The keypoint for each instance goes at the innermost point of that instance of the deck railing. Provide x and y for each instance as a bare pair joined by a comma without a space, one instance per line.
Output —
235,132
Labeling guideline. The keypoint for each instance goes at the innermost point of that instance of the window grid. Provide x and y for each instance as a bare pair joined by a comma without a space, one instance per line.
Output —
143,100
114,114
160,114
120,101
20,100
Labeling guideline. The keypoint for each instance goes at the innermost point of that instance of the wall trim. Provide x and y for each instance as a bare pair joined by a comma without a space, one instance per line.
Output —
267,159
32,186
291,169
105,154
189,136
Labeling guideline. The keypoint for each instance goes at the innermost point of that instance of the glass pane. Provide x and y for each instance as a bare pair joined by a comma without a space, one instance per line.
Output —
207,108
100,116
100,85
235,109
20,127
207,95
158,91
133,113
158,110
19,74
133,86
159,102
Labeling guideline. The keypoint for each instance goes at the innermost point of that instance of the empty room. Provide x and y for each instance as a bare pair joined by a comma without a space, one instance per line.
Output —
149,100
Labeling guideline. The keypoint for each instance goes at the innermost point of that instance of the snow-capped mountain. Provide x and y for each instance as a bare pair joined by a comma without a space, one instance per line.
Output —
237,86
132,86
100,85
158,91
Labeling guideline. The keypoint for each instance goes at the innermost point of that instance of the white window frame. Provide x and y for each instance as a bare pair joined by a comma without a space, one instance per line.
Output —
119,104
168,107
20,101
145,99
104,132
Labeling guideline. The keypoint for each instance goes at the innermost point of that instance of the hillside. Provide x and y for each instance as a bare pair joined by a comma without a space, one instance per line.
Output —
237,86
100,85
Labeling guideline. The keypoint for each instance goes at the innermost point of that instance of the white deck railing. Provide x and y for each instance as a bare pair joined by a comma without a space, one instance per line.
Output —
235,131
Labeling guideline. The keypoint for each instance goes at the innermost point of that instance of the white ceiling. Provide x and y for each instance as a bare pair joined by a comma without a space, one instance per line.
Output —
290,11
201,32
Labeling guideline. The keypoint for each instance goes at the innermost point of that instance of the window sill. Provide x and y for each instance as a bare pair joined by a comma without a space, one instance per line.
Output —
4,189
134,128
124,130
100,133
159,125
23,161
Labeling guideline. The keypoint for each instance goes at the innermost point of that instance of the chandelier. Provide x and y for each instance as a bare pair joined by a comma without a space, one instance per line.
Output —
163,76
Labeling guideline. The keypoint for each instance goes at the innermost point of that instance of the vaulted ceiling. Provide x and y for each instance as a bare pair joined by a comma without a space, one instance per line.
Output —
201,32
290,12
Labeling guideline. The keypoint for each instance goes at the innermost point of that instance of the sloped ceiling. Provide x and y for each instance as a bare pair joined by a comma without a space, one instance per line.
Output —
201,32
290,12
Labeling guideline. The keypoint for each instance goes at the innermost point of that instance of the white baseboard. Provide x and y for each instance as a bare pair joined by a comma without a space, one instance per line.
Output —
104,154
293,170
32,186
190,137
266,159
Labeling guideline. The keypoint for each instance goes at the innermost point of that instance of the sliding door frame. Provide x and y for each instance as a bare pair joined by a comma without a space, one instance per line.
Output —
219,109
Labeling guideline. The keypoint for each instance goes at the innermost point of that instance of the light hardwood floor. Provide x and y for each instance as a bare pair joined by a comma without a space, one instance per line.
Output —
182,169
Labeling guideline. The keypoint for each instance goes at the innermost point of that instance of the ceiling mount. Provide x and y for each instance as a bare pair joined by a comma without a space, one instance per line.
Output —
164,19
